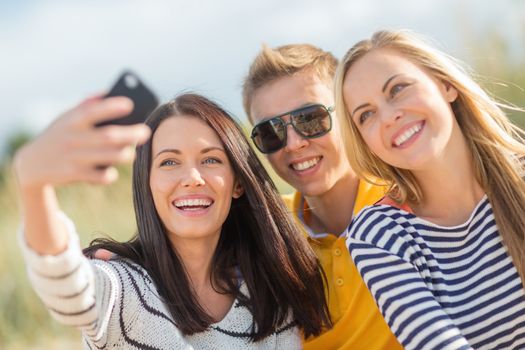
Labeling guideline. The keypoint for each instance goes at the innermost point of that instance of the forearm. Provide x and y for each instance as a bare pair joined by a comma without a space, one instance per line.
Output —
64,281
75,292
44,232
70,151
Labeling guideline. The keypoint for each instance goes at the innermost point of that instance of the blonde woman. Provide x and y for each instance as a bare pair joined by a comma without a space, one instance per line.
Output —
443,252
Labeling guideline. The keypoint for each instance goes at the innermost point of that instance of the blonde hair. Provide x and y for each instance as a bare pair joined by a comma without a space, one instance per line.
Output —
495,143
284,61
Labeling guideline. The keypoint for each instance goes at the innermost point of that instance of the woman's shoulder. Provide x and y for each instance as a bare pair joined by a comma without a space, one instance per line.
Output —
383,227
125,272
119,263
131,283
382,216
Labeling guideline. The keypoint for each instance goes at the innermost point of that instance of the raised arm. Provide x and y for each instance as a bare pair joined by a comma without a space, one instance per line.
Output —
70,150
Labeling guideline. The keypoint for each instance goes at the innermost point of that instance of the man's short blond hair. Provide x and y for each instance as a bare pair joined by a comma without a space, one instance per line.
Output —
285,61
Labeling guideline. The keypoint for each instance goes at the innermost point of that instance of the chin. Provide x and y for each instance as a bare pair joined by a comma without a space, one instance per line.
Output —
313,190
191,232
190,236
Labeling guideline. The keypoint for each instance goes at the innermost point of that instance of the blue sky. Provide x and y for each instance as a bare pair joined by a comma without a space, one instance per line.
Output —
53,53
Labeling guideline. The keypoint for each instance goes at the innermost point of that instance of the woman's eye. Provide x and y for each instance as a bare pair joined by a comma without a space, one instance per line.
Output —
168,162
364,116
211,161
396,89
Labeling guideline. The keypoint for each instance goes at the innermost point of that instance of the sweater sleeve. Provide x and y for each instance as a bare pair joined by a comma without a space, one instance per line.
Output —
74,291
397,277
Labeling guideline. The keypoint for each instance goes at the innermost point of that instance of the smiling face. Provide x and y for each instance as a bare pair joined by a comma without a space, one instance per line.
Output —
191,180
312,166
402,112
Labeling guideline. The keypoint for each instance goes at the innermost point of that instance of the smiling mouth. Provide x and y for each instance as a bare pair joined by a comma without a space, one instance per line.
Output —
408,134
306,164
192,204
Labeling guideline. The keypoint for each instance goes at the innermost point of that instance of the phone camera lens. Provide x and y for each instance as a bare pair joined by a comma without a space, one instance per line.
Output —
131,81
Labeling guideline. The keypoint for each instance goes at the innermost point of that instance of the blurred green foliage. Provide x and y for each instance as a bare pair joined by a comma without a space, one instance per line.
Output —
501,68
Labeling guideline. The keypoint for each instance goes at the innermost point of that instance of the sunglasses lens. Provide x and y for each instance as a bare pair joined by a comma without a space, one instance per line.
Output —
309,122
269,136
313,121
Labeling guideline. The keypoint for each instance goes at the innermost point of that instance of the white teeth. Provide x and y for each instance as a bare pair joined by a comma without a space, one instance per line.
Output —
307,164
407,134
197,202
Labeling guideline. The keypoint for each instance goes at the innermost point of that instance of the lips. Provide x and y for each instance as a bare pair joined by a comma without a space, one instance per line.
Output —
306,164
192,203
405,135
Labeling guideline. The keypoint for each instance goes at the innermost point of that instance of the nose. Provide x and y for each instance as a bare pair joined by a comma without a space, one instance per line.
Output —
192,178
390,115
294,141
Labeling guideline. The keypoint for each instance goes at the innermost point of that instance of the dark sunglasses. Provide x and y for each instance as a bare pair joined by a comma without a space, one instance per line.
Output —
310,122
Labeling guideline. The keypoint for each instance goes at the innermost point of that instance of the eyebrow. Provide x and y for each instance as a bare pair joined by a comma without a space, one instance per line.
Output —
359,107
212,148
382,90
388,81
176,151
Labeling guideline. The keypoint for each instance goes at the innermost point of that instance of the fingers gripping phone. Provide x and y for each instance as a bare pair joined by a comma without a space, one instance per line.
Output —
144,100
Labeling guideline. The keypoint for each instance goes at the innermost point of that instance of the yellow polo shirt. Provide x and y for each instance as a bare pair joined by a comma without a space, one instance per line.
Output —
358,324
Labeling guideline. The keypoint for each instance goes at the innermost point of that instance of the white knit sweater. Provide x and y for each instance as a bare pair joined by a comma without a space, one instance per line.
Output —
116,305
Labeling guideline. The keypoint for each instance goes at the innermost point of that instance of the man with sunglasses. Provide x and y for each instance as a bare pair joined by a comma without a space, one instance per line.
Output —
288,96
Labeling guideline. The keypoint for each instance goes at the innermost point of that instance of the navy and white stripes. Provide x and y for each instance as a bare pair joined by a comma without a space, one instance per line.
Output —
440,287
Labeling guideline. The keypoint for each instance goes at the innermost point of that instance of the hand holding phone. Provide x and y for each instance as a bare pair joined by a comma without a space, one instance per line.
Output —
144,100
70,149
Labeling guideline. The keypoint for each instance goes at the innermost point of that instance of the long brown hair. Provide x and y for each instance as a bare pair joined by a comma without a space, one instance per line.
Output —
259,238
496,145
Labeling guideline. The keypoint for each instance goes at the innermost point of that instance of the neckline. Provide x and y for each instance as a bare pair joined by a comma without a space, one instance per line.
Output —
242,289
453,227
303,206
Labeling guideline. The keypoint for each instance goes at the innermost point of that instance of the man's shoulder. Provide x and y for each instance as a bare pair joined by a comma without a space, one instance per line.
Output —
368,194
291,200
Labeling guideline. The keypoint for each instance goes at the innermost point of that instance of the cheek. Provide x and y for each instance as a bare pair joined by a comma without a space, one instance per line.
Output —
276,160
369,134
373,139
442,116
160,185
221,185
333,141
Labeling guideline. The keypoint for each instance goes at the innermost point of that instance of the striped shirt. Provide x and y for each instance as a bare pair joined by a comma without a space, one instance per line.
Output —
440,287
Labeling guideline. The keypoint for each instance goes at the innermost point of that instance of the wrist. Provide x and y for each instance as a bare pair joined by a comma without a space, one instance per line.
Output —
25,174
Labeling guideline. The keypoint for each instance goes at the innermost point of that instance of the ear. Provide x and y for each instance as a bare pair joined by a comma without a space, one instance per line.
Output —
238,190
450,92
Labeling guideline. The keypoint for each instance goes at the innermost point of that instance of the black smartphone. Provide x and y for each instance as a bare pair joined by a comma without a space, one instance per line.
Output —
144,100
